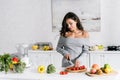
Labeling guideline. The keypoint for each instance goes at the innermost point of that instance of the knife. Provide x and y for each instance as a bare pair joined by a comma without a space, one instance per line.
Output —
70,62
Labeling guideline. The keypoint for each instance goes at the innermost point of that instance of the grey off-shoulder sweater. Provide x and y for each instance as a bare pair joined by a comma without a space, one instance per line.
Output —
76,47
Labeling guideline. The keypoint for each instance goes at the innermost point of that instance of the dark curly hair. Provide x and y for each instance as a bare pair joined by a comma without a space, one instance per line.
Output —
73,16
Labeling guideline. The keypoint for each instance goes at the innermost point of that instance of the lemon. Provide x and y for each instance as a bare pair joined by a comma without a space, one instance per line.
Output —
45,48
35,47
107,70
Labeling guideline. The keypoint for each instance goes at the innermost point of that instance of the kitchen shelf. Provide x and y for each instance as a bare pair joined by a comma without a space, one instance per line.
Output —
104,52
40,51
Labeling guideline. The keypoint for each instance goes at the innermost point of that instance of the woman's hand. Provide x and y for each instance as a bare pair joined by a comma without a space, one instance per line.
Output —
67,56
77,63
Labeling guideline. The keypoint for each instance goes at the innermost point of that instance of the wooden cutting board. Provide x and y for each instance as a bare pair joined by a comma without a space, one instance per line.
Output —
103,74
76,71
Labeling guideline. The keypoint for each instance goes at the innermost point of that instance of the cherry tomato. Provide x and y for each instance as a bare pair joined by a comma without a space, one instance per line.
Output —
76,68
63,72
83,66
66,72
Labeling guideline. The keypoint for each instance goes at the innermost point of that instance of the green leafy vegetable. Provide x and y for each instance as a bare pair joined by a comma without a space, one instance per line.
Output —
51,69
6,63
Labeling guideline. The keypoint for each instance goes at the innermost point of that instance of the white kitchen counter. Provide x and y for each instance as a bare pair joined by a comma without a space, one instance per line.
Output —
32,74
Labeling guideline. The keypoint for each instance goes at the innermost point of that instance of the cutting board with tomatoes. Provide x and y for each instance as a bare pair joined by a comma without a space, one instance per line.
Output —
76,69
103,74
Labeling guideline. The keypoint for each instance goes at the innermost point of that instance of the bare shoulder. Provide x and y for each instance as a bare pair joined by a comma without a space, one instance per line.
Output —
67,34
85,34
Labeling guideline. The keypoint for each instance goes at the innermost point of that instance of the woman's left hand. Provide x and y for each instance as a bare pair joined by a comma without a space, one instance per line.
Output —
77,63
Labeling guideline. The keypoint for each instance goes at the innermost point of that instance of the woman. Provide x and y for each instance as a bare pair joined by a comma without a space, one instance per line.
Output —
73,42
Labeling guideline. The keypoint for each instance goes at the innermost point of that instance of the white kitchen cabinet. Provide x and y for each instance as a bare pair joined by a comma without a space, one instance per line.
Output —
113,59
85,60
45,58
96,58
38,57
105,57
56,59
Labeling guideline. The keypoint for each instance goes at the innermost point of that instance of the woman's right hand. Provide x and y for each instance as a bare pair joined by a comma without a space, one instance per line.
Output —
67,56
77,63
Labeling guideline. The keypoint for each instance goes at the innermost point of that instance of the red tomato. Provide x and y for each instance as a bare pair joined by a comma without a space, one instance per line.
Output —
73,69
80,67
76,68
83,66
14,60
63,72
66,72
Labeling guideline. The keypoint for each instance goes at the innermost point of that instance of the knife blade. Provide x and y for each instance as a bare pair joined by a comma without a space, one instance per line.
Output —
70,62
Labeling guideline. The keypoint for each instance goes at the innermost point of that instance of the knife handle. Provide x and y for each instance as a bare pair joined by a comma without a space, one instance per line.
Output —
68,59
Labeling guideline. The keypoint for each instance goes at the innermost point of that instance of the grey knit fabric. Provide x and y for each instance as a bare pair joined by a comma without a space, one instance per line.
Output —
72,46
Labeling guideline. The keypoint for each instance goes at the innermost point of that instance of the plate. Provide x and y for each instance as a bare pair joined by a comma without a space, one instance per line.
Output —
103,74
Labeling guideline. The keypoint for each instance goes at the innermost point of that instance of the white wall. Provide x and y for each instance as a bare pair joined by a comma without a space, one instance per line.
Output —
114,21
29,21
